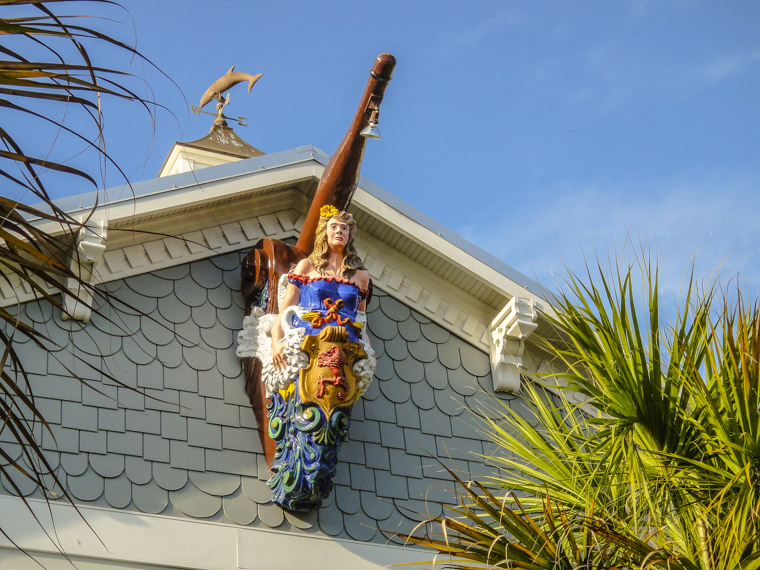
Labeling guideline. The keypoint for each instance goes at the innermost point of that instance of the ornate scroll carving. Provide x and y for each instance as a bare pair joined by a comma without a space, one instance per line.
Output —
90,245
514,323
310,419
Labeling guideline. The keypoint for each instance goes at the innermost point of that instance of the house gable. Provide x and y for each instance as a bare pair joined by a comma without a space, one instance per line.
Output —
183,444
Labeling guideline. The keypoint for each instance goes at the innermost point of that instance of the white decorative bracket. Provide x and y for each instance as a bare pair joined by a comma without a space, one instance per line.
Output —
514,323
90,245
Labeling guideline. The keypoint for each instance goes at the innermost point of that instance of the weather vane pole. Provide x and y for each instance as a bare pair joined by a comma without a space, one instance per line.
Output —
216,91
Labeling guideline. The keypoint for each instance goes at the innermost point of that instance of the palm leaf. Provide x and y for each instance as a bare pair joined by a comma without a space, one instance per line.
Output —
34,259
659,468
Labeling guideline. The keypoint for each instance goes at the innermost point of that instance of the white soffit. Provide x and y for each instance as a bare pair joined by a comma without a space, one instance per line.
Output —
192,191
211,188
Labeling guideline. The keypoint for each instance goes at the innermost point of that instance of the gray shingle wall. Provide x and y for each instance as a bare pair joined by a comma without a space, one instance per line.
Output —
185,442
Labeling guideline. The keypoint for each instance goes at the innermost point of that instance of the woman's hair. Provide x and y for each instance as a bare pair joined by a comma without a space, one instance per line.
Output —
351,259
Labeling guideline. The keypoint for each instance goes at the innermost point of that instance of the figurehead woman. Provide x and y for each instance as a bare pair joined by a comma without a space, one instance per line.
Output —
322,322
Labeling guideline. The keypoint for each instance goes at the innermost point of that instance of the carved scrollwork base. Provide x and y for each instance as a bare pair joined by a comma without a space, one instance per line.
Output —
307,450
309,420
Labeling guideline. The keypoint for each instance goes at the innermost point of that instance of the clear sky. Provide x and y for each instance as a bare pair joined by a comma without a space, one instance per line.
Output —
540,131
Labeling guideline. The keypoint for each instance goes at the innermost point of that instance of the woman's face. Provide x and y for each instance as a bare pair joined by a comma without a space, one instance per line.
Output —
337,234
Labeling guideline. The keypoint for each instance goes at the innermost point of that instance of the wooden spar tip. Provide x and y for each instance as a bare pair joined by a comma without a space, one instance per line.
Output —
383,67
341,174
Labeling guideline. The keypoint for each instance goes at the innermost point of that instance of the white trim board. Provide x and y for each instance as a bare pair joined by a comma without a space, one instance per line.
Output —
169,542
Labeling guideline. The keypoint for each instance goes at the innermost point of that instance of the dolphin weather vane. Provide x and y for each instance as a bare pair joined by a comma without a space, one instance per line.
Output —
216,91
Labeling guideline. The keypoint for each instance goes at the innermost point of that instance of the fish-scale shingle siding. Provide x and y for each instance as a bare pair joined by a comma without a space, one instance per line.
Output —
185,442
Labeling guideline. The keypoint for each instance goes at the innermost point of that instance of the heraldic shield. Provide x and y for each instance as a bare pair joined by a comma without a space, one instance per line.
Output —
329,381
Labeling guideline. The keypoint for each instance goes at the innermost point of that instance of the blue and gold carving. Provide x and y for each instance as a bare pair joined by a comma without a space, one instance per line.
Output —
307,450
326,363
310,420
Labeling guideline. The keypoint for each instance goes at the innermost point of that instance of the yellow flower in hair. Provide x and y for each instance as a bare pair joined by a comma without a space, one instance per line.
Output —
328,211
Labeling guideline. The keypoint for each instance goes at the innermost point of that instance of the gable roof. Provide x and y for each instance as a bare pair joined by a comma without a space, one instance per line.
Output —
231,206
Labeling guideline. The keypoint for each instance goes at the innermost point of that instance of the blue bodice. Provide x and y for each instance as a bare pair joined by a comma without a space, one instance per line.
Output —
336,301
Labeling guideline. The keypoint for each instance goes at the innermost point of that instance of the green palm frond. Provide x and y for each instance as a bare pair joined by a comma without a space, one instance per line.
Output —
49,79
487,531
659,468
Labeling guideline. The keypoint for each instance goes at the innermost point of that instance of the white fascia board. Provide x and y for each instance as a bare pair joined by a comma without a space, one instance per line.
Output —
196,192
171,542
200,185
291,166
208,190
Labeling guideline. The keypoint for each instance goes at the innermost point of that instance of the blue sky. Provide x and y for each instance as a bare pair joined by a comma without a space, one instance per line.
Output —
541,131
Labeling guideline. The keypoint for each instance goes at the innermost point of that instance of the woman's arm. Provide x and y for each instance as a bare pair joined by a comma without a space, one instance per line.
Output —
361,278
292,296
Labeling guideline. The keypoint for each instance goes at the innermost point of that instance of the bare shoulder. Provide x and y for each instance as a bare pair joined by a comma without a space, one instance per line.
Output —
303,267
361,278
